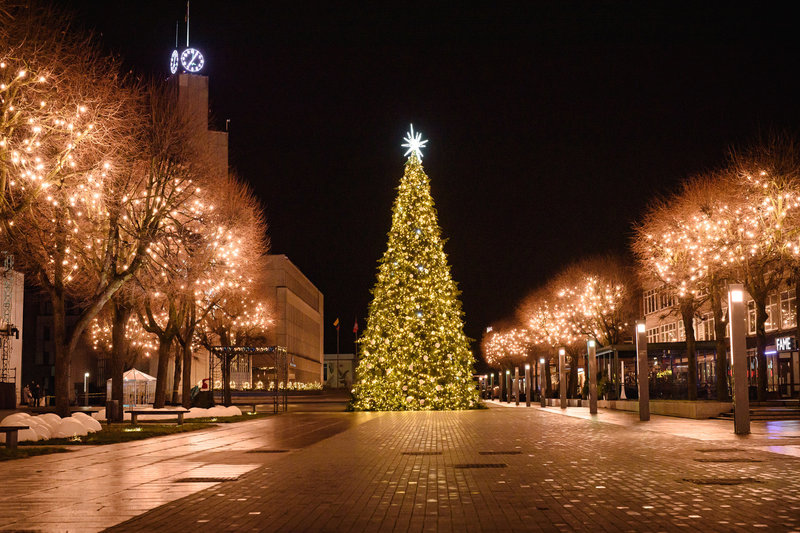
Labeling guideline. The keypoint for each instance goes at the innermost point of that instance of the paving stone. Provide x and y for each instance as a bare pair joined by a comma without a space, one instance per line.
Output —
572,474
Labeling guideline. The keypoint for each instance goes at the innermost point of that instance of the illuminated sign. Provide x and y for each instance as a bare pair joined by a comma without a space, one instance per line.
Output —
785,344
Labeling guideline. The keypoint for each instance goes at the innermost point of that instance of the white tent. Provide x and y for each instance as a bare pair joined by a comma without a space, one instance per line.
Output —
138,388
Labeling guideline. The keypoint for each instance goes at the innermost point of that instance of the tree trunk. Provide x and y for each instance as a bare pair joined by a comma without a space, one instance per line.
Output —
226,379
176,380
721,363
572,383
586,374
548,388
63,356
186,396
164,345
761,343
687,307
119,351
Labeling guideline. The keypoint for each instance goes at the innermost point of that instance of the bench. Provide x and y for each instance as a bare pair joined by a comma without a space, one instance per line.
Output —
136,412
12,432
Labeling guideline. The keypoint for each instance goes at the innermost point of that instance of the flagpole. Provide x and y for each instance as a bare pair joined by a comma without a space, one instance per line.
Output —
337,354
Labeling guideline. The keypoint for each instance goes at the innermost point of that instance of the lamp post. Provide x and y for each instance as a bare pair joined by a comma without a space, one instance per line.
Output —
528,385
485,385
500,385
591,353
736,319
562,373
86,389
542,399
642,371
508,386
516,385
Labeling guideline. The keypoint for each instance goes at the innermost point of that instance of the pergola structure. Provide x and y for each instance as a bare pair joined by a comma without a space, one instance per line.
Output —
274,366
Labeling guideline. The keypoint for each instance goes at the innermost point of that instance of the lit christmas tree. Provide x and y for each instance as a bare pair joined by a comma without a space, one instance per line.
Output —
414,354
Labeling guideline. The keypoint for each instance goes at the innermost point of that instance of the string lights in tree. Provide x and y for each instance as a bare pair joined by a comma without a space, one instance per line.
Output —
414,354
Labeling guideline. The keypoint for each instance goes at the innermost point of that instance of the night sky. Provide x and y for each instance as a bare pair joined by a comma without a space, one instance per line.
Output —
550,127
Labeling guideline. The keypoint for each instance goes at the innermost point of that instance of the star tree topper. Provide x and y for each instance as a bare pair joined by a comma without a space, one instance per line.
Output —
414,143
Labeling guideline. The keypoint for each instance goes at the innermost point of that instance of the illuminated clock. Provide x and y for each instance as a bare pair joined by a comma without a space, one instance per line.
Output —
174,61
192,60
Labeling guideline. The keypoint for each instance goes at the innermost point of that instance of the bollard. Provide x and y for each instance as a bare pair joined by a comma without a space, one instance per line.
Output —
562,377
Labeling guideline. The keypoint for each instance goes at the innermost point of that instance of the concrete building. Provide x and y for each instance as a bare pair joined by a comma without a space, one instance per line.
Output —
299,312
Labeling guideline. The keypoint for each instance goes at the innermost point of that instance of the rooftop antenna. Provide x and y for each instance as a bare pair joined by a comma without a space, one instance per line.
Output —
187,23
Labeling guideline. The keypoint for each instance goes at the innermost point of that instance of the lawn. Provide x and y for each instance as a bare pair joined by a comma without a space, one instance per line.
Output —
28,451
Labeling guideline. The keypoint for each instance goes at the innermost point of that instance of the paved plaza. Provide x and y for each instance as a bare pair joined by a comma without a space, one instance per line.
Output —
520,469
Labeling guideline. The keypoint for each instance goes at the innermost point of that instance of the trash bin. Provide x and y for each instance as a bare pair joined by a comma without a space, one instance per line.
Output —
113,412
204,399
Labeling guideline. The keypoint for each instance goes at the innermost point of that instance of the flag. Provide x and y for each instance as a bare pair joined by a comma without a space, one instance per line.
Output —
355,327
336,323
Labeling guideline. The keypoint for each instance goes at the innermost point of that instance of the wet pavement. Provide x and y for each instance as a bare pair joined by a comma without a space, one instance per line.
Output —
521,469
95,487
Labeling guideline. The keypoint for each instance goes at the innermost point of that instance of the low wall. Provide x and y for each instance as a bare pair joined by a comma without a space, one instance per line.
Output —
681,408
555,402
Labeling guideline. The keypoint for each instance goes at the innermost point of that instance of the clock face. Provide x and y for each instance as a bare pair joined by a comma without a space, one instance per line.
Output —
173,62
192,60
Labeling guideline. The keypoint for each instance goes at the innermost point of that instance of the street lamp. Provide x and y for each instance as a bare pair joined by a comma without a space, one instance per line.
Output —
86,389
591,353
642,371
562,382
508,386
737,323
542,399
528,385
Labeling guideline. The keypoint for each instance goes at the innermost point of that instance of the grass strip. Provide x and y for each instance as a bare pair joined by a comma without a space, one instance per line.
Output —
125,432
28,451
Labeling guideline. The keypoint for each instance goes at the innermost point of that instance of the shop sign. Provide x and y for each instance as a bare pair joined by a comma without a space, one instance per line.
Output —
785,344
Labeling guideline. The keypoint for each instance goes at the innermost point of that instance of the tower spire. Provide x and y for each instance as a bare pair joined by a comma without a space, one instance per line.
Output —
187,23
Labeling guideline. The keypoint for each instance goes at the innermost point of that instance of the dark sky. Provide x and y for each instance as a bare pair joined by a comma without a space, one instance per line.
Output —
551,126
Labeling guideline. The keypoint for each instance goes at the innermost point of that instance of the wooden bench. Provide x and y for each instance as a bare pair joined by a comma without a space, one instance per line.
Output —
12,432
136,412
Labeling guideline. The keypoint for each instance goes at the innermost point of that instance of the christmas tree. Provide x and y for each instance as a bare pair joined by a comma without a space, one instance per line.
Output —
414,354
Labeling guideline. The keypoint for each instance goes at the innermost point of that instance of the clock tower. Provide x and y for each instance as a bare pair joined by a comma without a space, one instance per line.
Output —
186,66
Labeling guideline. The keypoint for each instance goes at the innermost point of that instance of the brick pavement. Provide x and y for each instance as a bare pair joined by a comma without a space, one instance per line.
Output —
412,472
95,487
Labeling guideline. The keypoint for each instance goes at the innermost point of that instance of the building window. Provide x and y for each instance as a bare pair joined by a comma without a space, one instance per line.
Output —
667,300
652,335
788,309
650,301
772,313
681,331
751,317
668,332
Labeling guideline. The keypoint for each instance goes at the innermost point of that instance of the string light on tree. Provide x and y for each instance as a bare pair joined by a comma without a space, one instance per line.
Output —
414,354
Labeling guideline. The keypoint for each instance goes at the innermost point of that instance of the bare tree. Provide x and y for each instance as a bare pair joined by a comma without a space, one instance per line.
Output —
230,307
764,180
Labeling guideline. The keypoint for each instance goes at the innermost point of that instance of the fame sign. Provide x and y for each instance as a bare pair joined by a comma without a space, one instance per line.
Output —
785,344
